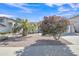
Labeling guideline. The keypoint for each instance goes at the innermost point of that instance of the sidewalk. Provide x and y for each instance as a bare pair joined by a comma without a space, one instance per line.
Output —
9,51
72,39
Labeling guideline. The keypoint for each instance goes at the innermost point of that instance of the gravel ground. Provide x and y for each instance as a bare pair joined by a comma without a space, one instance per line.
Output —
31,39
36,45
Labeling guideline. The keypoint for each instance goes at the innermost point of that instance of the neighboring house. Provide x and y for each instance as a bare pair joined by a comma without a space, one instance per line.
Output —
6,24
74,24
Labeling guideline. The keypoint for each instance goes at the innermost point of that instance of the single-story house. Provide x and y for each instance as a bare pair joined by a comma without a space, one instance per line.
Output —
74,24
6,24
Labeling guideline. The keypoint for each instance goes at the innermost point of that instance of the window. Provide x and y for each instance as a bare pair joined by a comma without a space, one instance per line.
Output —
1,20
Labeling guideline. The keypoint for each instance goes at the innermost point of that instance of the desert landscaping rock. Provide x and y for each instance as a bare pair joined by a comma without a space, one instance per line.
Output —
37,45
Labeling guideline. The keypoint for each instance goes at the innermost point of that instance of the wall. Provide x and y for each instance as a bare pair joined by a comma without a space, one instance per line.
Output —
7,28
75,23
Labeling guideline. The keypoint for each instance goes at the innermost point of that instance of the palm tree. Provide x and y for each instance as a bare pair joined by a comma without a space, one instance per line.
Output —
32,27
21,24
25,26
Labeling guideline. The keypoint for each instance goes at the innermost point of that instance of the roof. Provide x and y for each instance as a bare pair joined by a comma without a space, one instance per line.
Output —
7,18
3,25
74,16
74,19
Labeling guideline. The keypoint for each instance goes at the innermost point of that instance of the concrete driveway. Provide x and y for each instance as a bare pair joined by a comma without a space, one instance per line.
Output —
9,51
73,38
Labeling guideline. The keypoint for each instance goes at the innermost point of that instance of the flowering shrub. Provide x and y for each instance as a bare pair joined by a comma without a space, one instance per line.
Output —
54,25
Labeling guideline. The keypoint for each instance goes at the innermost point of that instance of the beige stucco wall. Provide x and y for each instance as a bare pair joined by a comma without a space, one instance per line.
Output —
74,24
8,27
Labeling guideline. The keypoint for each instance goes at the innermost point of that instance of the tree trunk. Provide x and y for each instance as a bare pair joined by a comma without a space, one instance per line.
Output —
57,37
54,36
24,32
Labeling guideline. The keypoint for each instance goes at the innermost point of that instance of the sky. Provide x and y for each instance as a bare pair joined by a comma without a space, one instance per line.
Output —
35,12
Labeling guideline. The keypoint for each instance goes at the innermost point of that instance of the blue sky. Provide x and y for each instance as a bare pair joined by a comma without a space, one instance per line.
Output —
36,11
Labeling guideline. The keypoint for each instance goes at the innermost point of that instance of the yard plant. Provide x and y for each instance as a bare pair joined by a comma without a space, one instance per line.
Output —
54,25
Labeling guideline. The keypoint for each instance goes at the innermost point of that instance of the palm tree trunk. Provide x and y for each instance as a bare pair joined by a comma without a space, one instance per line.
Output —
23,33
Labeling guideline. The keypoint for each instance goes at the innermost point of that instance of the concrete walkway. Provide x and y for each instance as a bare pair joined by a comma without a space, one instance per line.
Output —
72,39
9,51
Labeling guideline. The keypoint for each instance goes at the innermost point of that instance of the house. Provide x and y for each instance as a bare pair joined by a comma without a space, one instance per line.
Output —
74,24
6,24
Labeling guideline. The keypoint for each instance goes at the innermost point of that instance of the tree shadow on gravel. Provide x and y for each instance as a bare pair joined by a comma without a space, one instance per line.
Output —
13,39
46,48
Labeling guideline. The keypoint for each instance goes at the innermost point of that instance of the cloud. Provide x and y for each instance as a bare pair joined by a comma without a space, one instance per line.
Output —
69,11
68,14
5,15
51,4
62,9
74,6
21,6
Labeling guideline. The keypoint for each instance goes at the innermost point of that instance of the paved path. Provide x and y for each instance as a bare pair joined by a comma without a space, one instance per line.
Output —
9,51
72,39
